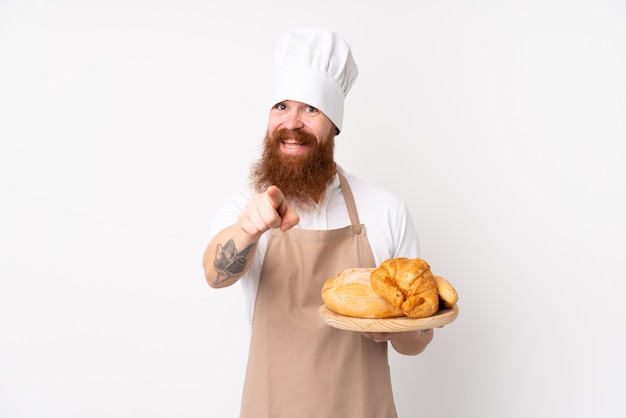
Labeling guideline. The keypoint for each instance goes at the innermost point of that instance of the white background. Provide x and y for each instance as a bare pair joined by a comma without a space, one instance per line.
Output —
125,123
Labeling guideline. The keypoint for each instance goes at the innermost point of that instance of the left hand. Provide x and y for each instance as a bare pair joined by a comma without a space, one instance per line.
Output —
381,337
408,342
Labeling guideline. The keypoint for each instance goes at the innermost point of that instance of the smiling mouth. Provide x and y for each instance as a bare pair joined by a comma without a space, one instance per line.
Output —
292,145
294,141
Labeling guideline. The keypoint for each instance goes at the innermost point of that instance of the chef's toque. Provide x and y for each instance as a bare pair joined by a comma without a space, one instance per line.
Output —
314,66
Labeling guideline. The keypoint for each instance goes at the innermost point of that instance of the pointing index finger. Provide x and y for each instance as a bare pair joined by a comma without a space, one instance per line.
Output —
288,215
276,199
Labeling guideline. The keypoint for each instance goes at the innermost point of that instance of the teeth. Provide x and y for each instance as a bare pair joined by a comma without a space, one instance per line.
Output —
292,145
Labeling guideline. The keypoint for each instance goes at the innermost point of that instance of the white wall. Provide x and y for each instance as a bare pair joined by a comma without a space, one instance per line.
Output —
125,123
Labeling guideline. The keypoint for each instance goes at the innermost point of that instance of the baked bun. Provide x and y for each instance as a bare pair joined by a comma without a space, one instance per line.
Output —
408,284
447,294
351,294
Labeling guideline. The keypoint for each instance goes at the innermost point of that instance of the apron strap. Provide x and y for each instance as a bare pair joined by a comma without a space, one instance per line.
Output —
349,198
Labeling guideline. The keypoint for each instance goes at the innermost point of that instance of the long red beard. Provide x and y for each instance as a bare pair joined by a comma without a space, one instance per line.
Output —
303,179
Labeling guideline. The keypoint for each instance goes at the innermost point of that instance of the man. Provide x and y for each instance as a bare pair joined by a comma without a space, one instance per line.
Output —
303,221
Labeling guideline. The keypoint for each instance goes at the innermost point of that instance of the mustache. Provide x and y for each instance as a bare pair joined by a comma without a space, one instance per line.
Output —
301,137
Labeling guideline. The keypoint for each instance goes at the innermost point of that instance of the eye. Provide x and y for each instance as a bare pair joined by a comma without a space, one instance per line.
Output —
280,106
311,109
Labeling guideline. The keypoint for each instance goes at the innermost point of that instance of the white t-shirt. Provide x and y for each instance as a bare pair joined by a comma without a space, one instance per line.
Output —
387,221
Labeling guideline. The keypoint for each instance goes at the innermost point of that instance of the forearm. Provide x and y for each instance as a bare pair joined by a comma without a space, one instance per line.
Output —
229,256
412,343
230,253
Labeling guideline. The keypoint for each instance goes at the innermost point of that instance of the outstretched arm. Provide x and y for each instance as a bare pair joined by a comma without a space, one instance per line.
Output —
230,253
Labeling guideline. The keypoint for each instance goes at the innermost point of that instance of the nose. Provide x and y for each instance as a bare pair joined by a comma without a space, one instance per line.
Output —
293,120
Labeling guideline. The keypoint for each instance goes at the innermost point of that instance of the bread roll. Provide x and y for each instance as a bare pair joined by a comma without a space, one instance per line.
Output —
351,294
447,293
408,284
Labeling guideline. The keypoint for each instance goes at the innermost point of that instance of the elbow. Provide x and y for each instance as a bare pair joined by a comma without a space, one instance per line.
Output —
217,282
213,280
220,284
210,276
212,283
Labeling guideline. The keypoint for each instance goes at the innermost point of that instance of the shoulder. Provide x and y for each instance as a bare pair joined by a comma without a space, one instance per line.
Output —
367,192
387,218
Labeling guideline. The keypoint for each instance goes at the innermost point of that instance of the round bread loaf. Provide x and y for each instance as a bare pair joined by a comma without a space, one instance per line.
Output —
351,294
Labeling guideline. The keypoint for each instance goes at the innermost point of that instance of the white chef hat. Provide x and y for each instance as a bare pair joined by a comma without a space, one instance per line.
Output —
314,66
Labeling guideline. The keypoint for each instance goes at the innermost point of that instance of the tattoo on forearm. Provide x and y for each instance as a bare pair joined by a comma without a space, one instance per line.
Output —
229,262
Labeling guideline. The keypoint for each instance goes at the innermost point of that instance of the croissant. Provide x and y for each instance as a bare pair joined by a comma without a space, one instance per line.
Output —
408,284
